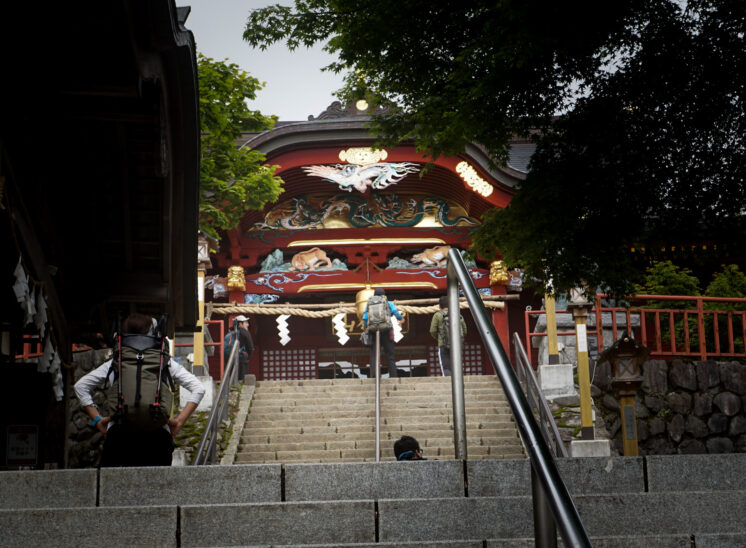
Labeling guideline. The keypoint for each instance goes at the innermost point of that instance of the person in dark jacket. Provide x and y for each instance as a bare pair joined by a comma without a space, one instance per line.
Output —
438,332
245,344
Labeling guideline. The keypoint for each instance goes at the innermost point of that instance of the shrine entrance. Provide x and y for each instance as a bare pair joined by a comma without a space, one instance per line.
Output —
354,218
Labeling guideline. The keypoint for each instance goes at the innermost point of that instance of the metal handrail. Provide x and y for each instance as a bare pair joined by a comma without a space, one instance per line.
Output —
378,396
537,401
206,450
548,489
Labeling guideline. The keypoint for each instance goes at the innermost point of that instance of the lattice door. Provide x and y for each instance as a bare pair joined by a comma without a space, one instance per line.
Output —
473,360
300,363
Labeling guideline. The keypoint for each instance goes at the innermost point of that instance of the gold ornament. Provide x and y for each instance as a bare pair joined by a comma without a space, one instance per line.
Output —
361,300
362,156
498,273
236,279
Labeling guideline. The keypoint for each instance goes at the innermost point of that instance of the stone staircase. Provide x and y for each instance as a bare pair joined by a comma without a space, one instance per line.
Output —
334,420
681,501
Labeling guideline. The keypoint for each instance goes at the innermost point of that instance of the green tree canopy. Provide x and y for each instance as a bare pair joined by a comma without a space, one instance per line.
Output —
232,180
731,282
649,142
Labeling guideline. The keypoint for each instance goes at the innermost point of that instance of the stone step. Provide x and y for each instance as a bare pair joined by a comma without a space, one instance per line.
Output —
303,415
468,379
674,500
333,420
397,423
271,436
369,443
337,402
300,453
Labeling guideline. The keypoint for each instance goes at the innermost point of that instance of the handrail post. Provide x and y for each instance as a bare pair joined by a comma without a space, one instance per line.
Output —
545,530
701,329
378,396
457,369
565,513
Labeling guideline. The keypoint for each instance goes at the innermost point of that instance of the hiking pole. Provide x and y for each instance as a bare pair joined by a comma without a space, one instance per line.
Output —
378,396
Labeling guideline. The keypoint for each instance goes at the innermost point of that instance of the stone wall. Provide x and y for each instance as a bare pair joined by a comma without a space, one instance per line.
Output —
84,442
682,407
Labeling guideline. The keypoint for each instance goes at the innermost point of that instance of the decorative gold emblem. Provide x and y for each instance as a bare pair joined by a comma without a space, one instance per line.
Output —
236,279
472,178
363,155
498,273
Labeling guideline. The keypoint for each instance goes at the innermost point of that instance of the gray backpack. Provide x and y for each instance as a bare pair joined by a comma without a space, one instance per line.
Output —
142,391
379,313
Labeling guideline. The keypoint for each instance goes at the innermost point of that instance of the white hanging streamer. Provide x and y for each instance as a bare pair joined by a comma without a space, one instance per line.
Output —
34,307
41,313
282,328
20,287
397,329
340,329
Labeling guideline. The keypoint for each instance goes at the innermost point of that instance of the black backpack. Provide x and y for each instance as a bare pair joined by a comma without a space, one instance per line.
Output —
142,392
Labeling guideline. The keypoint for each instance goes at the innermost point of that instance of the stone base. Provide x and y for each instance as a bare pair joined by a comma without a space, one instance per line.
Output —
206,403
590,448
179,458
556,380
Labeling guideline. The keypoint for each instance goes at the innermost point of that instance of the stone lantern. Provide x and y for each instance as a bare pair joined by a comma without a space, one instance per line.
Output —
626,357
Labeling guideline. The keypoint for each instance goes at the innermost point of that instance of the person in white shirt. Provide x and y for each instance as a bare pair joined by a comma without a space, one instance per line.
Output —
124,445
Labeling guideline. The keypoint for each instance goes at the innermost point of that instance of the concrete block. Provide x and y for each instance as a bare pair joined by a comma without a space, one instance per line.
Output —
455,519
682,540
206,403
372,480
696,472
48,489
511,543
444,544
556,380
190,485
590,448
286,523
669,513
720,541
582,476
89,527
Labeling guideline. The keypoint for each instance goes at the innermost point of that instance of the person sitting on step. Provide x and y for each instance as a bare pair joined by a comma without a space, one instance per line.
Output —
407,448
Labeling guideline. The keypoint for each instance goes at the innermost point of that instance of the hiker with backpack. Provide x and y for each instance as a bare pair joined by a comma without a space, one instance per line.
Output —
377,318
246,344
138,384
440,329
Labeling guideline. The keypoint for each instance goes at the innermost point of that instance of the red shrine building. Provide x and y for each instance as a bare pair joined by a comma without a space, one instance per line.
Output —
352,217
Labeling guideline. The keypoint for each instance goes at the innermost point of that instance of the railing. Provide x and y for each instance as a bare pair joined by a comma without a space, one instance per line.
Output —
207,448
32,348
536,399
550,494
218,344
703,328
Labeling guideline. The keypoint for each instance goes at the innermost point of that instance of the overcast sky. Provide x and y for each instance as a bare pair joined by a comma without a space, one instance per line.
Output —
296,86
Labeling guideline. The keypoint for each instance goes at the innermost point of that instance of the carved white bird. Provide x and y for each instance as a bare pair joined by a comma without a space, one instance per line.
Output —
377,176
